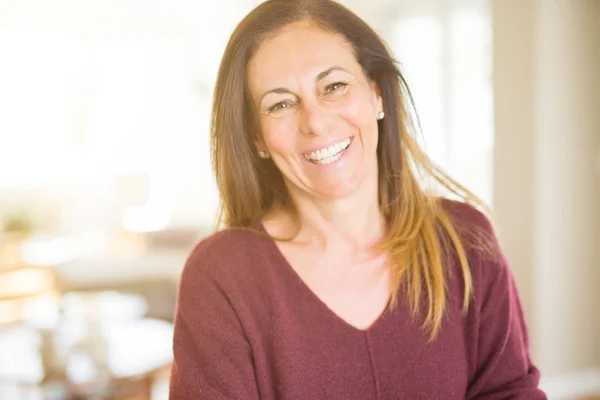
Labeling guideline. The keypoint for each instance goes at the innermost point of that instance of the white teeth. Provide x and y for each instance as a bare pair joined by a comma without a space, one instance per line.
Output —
328,154
329,160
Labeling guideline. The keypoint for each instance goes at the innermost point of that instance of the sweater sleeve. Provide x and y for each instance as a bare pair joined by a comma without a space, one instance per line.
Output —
504,367
212,357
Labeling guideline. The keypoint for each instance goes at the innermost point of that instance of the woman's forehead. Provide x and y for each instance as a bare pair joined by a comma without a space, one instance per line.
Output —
299,50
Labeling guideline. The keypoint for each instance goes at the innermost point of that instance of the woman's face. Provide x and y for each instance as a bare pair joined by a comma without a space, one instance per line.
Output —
318,111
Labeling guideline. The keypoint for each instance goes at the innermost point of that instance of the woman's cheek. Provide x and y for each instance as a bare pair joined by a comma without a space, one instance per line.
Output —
278,134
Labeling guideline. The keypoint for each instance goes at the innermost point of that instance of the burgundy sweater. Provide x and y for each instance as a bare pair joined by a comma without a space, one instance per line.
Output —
247,327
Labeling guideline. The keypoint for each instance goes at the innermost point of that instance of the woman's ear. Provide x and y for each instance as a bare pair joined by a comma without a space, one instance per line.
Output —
377,99
261,149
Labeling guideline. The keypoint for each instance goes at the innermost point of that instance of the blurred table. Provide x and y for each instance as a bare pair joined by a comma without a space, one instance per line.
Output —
153,275
92,353
159,265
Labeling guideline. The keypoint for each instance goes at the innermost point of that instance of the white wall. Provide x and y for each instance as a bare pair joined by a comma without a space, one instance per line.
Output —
547,197
568,220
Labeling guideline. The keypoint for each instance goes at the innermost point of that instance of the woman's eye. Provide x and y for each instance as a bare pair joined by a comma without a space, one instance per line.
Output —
281,109
279,106
335,86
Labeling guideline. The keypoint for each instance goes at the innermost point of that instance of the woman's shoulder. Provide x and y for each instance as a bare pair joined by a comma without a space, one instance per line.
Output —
226,252
467,215
474,228
482,248
487,262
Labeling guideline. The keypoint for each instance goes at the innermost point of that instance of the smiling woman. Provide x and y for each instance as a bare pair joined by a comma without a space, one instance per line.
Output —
319,124
336,275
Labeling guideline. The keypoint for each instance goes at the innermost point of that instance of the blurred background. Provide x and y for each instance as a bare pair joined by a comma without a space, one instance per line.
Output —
105,179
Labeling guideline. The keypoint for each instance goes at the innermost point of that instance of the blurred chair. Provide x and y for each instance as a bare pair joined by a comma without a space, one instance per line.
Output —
56,343
152,273
22,286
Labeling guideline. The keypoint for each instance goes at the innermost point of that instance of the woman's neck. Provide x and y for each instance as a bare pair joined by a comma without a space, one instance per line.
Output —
355,222
352,224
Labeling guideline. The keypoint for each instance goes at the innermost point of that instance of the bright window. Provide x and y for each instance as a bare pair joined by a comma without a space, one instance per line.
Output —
109,102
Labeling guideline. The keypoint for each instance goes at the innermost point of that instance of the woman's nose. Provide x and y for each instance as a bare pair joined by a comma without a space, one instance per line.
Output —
315,119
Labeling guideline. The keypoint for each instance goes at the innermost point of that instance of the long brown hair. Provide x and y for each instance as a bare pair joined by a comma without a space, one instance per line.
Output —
419,228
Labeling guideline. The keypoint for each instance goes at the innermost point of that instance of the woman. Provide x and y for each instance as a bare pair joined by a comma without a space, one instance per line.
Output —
337,276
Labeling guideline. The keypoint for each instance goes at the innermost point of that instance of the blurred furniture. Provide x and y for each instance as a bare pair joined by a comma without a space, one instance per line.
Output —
22,284
153,275
99,348
91,326
21,287
148,264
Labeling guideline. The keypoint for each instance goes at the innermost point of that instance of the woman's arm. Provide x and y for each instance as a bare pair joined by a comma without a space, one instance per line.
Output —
212,357
504,367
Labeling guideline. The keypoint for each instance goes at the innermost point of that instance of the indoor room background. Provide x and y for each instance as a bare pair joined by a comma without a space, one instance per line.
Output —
106,183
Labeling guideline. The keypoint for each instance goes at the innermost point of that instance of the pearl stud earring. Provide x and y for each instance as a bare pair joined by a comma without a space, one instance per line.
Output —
262,154
380,115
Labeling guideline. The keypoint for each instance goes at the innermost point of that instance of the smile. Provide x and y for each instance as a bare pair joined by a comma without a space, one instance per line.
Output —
328,154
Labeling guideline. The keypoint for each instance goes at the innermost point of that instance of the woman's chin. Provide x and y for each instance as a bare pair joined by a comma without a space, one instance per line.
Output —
332,188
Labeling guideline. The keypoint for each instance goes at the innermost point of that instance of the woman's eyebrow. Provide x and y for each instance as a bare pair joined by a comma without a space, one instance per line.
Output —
320,76
279,90
328,71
